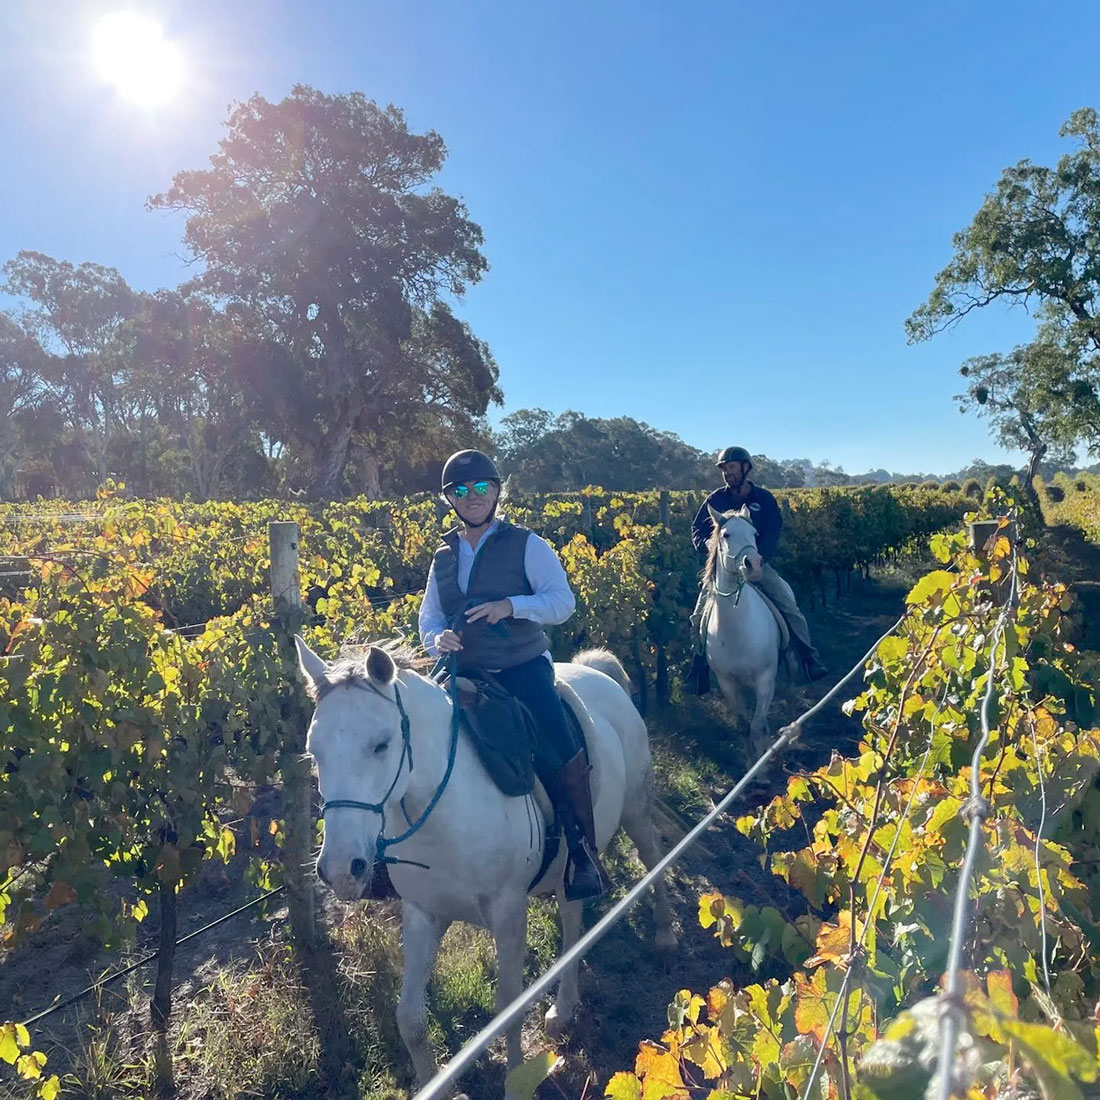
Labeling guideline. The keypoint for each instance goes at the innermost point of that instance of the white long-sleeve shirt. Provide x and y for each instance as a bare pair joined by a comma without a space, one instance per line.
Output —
551,600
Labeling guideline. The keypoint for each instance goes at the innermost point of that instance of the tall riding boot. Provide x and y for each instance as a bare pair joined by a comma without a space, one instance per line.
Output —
572,798
381,886
696,675
812,666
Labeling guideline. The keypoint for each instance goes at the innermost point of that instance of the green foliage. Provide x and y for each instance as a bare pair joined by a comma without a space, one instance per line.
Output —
1033,243
1078,507
872,844
319,232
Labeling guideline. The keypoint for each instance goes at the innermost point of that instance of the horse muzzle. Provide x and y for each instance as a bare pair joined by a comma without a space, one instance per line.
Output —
349,883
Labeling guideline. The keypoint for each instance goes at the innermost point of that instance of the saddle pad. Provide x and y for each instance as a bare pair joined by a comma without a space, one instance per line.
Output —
503,733
784,630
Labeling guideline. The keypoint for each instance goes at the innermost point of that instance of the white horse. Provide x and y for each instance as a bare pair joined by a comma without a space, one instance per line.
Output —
389,758
743,638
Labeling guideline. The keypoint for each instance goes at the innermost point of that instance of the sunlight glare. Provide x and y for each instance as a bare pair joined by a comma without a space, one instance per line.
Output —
131,52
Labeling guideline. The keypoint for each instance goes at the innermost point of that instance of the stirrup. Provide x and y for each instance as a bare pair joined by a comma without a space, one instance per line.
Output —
579,885
813,668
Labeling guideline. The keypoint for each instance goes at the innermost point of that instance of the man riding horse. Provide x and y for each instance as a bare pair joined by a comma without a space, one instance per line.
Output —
491,588
735,464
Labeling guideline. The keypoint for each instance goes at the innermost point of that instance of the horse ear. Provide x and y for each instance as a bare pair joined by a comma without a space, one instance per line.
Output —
744,512
717,517
380,666
312,667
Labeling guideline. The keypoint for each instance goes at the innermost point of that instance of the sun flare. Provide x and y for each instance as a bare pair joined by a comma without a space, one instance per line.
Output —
131,52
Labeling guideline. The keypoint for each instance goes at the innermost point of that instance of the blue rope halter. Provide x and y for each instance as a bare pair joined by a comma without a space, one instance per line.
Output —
384,842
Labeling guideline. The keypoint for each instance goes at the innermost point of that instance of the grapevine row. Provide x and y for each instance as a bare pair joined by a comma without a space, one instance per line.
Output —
146,684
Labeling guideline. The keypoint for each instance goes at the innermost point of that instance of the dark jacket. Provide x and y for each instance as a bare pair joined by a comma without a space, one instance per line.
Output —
498,572
766,518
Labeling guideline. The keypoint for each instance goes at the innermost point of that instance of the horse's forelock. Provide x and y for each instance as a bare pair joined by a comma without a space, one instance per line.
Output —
710,570
350,670
346,672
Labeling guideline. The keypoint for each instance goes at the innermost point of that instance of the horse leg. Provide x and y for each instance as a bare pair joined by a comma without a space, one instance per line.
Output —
420,937
731,692
510,935
638,824
561,1012
765,692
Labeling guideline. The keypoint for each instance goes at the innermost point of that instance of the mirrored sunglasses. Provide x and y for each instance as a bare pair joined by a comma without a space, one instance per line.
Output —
480,488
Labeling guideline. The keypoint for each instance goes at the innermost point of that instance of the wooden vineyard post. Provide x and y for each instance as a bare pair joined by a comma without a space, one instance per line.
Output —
286,591
983,533
160,1008
660,685
640,686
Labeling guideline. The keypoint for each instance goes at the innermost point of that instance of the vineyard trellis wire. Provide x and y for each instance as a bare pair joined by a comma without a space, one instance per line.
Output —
151,956
841,998
976,811
763,1039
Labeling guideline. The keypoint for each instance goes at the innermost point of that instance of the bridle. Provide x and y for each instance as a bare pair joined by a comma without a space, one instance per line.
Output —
723,560
383,842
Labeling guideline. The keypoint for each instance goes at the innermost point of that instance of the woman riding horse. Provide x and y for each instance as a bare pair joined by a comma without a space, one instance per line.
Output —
491,587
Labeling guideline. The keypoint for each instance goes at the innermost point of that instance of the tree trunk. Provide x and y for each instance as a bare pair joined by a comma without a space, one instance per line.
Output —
194,435
370,472
1038,450
661,686
327,482
9,460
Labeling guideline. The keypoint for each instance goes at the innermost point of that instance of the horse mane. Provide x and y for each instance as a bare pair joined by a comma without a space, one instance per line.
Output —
350,668
710,570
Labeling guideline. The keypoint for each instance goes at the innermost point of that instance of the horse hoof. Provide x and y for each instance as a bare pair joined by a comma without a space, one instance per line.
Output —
666,943
758,746
554,1024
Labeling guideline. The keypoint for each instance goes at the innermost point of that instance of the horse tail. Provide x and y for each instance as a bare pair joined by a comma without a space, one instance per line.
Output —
603,660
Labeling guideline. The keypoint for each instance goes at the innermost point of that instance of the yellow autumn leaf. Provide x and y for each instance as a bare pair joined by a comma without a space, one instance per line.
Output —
999,984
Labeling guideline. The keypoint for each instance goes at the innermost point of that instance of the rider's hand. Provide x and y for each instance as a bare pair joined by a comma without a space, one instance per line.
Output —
448,642
491,612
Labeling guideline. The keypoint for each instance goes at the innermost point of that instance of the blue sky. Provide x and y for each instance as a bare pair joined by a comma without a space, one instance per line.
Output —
714,217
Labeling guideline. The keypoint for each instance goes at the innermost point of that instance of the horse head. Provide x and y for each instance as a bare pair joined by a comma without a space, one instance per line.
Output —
733,544
359,740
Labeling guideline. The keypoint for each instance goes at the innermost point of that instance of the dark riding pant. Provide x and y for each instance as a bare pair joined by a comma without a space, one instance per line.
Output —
561,764
532,683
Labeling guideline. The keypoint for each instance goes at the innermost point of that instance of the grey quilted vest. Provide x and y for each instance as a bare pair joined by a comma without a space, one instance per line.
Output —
498,572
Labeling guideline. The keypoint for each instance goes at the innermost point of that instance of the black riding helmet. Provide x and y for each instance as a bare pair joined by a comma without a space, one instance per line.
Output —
733,454
465,466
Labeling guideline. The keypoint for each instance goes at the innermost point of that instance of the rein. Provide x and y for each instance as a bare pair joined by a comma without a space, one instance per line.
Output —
383,841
